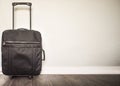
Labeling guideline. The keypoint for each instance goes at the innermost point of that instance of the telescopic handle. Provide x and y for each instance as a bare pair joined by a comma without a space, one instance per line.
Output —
21,3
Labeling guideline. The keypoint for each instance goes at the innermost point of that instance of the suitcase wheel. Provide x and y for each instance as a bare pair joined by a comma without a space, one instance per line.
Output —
30,77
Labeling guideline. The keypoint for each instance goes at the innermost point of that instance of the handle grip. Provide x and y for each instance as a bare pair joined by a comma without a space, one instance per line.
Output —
21,3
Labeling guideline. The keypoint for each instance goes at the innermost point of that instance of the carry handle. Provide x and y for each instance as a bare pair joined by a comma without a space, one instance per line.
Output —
21,3
43,59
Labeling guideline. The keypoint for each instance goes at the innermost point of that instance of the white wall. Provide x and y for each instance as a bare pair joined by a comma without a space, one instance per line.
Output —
75,32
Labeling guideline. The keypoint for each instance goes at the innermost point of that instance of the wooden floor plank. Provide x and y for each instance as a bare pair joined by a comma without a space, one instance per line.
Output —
62,80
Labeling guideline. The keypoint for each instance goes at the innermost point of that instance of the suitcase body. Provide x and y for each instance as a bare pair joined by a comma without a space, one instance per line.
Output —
21,52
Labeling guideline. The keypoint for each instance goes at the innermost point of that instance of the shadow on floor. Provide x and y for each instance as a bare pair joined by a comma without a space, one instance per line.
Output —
21,81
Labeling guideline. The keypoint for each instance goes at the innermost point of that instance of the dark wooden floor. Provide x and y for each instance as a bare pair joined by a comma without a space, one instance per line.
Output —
62,80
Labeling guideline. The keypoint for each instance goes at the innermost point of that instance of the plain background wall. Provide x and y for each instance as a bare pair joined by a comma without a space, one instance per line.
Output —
75,32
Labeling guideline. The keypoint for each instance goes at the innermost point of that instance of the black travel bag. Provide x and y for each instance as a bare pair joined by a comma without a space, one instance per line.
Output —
22,50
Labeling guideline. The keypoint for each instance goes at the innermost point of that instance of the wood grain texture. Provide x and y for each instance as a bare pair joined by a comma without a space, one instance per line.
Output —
62,80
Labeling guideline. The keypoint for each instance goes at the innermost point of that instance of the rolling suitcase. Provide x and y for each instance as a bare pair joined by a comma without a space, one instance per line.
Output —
22,51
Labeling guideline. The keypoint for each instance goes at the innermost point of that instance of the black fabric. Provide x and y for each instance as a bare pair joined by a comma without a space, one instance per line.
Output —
21,52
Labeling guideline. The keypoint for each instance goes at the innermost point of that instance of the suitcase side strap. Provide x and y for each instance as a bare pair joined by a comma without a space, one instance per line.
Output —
43,53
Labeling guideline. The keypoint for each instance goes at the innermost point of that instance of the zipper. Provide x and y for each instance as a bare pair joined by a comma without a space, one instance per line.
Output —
20,42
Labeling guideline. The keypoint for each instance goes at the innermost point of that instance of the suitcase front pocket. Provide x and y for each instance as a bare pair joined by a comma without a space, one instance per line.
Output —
21,56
